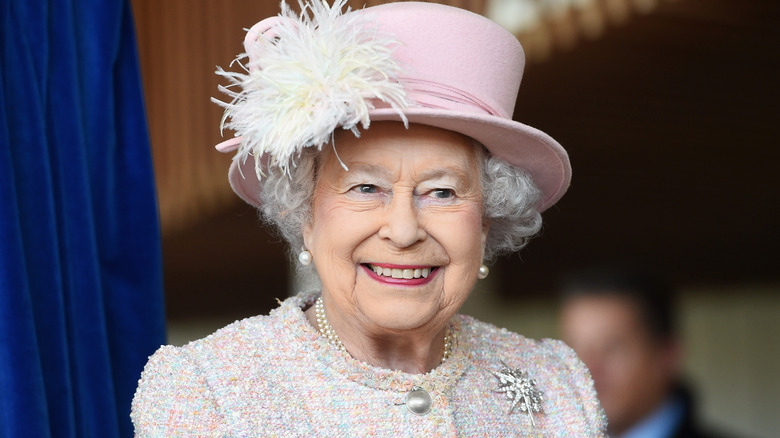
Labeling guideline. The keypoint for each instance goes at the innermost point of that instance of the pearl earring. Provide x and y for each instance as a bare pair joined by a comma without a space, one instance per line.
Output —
483,272
304,257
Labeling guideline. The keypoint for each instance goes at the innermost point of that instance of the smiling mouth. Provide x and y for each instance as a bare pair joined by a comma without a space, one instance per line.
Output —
400,273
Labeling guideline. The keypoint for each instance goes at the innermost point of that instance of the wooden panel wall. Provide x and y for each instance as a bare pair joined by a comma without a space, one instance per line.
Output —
180,43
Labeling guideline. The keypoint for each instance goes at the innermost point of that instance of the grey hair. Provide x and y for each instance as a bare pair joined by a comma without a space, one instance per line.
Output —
509,205
509,200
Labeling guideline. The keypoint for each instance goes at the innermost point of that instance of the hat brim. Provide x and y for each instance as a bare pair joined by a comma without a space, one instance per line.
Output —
521,145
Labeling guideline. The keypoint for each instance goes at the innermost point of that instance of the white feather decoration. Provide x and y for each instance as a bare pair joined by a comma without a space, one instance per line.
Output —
307,76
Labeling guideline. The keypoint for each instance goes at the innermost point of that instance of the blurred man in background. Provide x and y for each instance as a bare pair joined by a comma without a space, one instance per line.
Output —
622,325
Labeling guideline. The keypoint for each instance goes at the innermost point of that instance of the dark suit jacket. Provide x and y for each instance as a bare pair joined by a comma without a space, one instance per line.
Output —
689,427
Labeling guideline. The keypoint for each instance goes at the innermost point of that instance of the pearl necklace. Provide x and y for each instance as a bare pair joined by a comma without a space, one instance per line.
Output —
327,331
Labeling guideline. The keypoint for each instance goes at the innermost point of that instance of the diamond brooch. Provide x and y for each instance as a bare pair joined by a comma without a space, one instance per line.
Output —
521,390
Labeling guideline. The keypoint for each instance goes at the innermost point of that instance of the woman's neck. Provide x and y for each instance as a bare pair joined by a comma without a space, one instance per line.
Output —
413,352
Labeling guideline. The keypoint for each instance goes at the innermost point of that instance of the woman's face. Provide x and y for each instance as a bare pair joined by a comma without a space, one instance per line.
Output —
398,239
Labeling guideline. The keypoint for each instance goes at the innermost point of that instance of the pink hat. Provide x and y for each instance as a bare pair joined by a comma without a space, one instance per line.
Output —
460,72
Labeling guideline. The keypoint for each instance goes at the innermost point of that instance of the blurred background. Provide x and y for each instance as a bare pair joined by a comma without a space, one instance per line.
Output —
668,109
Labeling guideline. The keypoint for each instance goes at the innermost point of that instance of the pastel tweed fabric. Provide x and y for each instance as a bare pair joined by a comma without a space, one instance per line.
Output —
276,376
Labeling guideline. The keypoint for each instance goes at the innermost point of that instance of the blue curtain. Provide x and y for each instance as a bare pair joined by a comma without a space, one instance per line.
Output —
81,303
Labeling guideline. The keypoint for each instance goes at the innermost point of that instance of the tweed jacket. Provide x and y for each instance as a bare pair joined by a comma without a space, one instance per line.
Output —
275,375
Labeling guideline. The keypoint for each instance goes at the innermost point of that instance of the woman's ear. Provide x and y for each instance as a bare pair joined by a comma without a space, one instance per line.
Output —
485,231
307,235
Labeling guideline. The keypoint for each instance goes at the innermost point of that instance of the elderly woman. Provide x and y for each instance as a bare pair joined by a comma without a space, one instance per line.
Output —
380,143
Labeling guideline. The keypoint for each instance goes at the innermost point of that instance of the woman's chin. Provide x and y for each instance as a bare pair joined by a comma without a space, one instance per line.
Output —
400,311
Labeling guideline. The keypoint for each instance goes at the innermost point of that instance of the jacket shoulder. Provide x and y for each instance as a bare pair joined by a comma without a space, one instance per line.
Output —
173,396
564,379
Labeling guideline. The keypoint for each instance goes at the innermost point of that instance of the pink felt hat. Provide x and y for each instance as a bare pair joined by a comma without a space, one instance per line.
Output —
462,73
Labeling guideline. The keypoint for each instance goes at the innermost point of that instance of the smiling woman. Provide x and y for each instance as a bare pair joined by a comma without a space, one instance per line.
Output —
411,201
387,158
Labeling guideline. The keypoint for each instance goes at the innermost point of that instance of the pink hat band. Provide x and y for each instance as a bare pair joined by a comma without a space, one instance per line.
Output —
462,72
440,96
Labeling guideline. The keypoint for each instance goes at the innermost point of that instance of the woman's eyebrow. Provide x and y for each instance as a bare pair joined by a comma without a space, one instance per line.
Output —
444,172
359,169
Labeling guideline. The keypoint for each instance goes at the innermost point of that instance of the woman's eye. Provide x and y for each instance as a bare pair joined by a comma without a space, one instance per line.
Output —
366,188
443,193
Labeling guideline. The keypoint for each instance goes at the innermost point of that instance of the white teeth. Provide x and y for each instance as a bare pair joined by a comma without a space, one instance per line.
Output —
407,274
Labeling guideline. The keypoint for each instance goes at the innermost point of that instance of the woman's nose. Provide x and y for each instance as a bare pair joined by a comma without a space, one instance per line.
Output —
401,223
